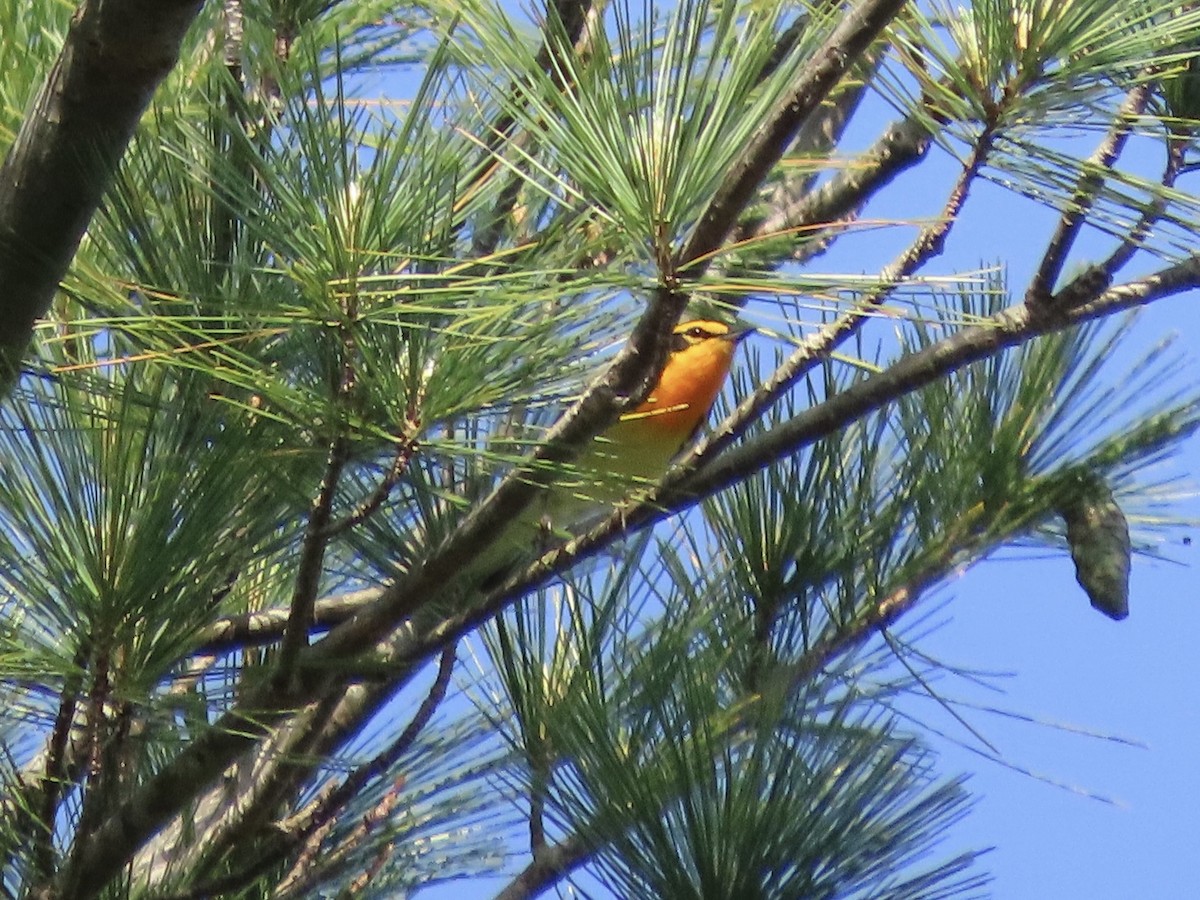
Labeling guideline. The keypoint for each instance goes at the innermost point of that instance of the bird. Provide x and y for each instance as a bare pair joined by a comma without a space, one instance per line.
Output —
634,452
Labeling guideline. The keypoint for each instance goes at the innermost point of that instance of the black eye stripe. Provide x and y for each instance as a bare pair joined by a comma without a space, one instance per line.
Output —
693,335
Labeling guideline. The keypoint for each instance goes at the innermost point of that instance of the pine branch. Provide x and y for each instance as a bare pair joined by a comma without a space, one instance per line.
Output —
226,821
854,34
406,448
1086,193
1154,210
819,346
60,767
69,145
683,488
972,539
887,610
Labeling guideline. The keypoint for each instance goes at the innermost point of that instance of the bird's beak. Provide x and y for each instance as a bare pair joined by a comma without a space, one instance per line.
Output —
741,334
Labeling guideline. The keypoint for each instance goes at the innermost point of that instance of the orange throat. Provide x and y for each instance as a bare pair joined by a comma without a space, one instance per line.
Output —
686,391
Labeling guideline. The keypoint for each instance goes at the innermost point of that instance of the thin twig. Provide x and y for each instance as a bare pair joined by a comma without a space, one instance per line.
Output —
539,781
406,448
316,533
266,626
573,16
835,204
105,740
1132,242
1095,169
312,559
225,218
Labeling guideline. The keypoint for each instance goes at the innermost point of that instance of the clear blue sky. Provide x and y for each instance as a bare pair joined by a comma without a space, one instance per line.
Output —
1075,673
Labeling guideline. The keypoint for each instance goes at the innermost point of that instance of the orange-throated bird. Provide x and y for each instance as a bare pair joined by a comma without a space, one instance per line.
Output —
635,451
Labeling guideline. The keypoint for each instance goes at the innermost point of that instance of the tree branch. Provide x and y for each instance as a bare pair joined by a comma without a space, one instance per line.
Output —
915,370
683,488
860,26
197,764
1153,211
63,158
548,867
267,626
1090,182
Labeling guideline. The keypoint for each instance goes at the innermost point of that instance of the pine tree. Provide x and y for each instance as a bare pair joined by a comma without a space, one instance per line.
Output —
324,305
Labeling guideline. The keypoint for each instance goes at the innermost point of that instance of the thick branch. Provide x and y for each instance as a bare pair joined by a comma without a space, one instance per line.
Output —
266,626
64,156
304,831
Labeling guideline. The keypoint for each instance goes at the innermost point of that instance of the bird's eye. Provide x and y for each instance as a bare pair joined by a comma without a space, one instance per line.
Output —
697,332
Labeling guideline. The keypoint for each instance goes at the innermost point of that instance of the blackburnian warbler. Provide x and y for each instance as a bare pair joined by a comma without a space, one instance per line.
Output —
636,451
